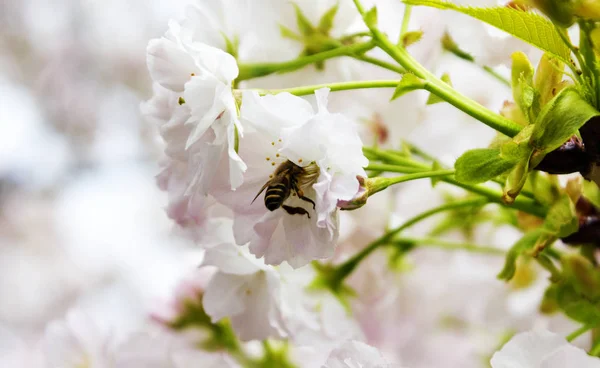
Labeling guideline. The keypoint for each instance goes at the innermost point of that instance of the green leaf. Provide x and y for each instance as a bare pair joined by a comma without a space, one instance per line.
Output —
371,17
411,37
528,26
409,82
520,247
560,119
326,21
433,99
561,219
576,307
304,24
480,165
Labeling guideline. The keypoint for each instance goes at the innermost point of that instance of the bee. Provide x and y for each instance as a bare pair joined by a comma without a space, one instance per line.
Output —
289,178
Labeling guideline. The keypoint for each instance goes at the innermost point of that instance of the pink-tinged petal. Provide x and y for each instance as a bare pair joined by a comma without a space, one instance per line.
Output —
355,354
237,167
296,149
175,133
265,234
169,65
222,297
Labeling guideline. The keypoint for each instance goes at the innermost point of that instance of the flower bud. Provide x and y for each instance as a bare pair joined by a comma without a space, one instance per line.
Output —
561,12
587,9
360,199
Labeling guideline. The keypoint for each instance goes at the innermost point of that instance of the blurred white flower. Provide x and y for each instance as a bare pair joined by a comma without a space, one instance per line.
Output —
76,342
544,349
162,350
287,131
353,354
245,290
202,77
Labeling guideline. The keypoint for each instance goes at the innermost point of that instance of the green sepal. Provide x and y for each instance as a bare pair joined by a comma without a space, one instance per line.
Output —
548,76
412,37
435,179
326,21
522,246
524,93
304,24
371,17
549,304
433,99
515,181
409,82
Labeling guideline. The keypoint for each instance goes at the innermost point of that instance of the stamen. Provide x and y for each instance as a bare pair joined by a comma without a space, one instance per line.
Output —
272,164
277,155
299,160
268,158
272,143
193,74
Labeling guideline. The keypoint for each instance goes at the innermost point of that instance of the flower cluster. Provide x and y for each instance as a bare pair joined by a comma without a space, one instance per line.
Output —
303,160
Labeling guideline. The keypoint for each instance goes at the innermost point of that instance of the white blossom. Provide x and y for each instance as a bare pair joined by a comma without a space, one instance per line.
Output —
201,131
245,290
355,354
544,349
286,129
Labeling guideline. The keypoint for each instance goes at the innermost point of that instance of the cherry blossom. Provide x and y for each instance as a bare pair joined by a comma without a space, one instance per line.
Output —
541,348
204,128
287,130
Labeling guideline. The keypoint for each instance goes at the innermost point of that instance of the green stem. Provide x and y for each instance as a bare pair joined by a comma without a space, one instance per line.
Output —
439,87
405,21
393,168
443,244
595,351
528,205
341,86
580,331
347,267
495,74
384,64
249,71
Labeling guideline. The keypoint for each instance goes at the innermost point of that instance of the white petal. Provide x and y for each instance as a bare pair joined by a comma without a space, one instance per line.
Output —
169,65
232,259
322,95
354,354
272,113
539,348
204,95
223,296
215,61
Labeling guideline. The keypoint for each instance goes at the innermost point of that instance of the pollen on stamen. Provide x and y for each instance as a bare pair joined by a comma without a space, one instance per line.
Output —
268,158
271,176
272,164
279,139
277,155
193,74
272,143
299,160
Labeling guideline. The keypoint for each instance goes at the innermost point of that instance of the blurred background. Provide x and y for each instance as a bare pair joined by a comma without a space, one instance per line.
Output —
81,219
82,223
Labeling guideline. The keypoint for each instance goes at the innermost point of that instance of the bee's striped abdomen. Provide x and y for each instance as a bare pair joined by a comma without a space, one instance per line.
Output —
276,194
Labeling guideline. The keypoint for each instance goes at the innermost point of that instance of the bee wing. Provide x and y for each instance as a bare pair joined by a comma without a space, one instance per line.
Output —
261,190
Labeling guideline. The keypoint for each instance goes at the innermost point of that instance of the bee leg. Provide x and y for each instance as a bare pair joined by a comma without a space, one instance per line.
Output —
302,197
295,210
